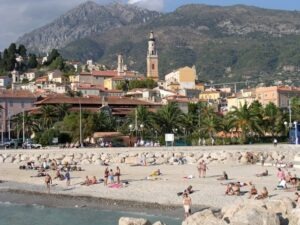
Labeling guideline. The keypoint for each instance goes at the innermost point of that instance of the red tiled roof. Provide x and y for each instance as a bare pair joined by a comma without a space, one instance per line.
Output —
85,74
92,100
106,73
16,94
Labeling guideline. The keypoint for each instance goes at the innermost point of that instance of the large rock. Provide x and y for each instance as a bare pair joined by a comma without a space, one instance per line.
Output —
205,217
59,156
67,159
132,160
281,206
1,159
294,217
158,223
249,213
85,162
133,221
9,159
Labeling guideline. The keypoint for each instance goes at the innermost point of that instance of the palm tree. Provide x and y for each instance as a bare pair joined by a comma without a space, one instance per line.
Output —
168,118
270,117
226,125
62,110
245,120
47,116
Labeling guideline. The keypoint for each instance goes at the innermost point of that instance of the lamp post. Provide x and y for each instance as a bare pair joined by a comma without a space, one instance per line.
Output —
296,132
80,126
141,129
131,129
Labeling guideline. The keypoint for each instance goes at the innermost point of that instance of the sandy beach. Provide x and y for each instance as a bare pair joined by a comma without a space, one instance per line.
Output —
208,191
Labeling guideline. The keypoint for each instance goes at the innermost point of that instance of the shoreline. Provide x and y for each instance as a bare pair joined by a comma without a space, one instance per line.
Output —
58,200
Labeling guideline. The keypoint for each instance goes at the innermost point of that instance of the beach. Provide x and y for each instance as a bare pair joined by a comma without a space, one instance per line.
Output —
160,193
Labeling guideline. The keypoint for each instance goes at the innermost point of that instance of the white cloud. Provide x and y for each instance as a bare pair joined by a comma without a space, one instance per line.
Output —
157,5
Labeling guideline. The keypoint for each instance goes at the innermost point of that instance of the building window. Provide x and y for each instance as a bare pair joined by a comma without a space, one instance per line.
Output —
153,66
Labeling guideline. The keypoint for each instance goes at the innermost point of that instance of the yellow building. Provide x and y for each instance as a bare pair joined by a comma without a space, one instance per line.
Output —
210,95
243,97
183,78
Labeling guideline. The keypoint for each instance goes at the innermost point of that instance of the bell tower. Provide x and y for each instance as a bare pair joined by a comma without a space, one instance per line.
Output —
152,58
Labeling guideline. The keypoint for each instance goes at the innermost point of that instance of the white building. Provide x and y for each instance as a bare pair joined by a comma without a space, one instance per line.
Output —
4,82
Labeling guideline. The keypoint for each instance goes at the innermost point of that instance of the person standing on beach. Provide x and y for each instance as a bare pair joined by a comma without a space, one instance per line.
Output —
111,176
48,182
68,178
106,173
118,174
199,167
203,168
187,202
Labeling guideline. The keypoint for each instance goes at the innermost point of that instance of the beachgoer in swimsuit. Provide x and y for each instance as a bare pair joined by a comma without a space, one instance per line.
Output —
264,194
111,176
253,191
187,202
48,182
118,174
263,174
203,168
280,174
224,177
199,167
189,190
94,180
68,178
106,173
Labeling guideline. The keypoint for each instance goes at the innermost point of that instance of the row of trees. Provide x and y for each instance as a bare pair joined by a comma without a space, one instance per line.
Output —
246,123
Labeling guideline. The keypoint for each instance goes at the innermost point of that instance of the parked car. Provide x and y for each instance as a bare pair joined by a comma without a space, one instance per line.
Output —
29,144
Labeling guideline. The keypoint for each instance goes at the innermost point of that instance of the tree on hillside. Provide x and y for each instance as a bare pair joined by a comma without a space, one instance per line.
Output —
52,56
32,61
22,51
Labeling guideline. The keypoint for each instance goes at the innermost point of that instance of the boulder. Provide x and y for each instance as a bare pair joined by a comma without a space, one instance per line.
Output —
59,156
132,160
204,217
133,221
133,154
67,159
78,156
294,218
98,162
160,161
24,157
254,216
95,157
1,159
150,160
158,223
250,212
85,162
118,159
244,160
9,159
282,206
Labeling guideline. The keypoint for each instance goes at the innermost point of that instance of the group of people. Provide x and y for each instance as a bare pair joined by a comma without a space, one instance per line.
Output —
202,167
109,176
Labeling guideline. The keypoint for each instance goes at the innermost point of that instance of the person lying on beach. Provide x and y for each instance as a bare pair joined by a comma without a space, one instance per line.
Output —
253,191
229,190
224,177
281,185
238,183
263,174
155,173
40,174
59,176
94,180
294,180
189,191
87,181
236,189
264,194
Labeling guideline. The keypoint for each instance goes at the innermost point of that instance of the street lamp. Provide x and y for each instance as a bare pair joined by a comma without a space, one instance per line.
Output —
80,126
131,129
296,132
141,128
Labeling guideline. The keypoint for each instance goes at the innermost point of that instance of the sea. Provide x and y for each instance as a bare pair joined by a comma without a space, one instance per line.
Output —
19,214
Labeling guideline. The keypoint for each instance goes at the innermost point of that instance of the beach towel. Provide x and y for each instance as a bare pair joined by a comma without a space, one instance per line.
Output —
189,177
115,185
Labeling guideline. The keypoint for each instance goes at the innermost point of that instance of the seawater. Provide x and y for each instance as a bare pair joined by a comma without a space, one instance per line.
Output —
16,214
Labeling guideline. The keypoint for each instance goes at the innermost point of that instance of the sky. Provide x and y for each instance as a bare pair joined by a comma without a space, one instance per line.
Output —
22,16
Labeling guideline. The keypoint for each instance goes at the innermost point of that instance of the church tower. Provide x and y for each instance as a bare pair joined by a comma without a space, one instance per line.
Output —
152,58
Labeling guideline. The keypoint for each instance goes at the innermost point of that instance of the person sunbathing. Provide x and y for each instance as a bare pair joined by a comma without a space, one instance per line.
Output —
253,191
281,185
59,175
87,181
229,190
224,177
264,194
93,180
189,190
236,189
263,174
294,180
155,173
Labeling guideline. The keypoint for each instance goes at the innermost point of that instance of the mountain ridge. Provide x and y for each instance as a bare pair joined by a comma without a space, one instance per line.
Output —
229,43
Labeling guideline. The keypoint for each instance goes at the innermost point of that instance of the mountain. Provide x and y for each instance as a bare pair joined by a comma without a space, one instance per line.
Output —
88,19
225,43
